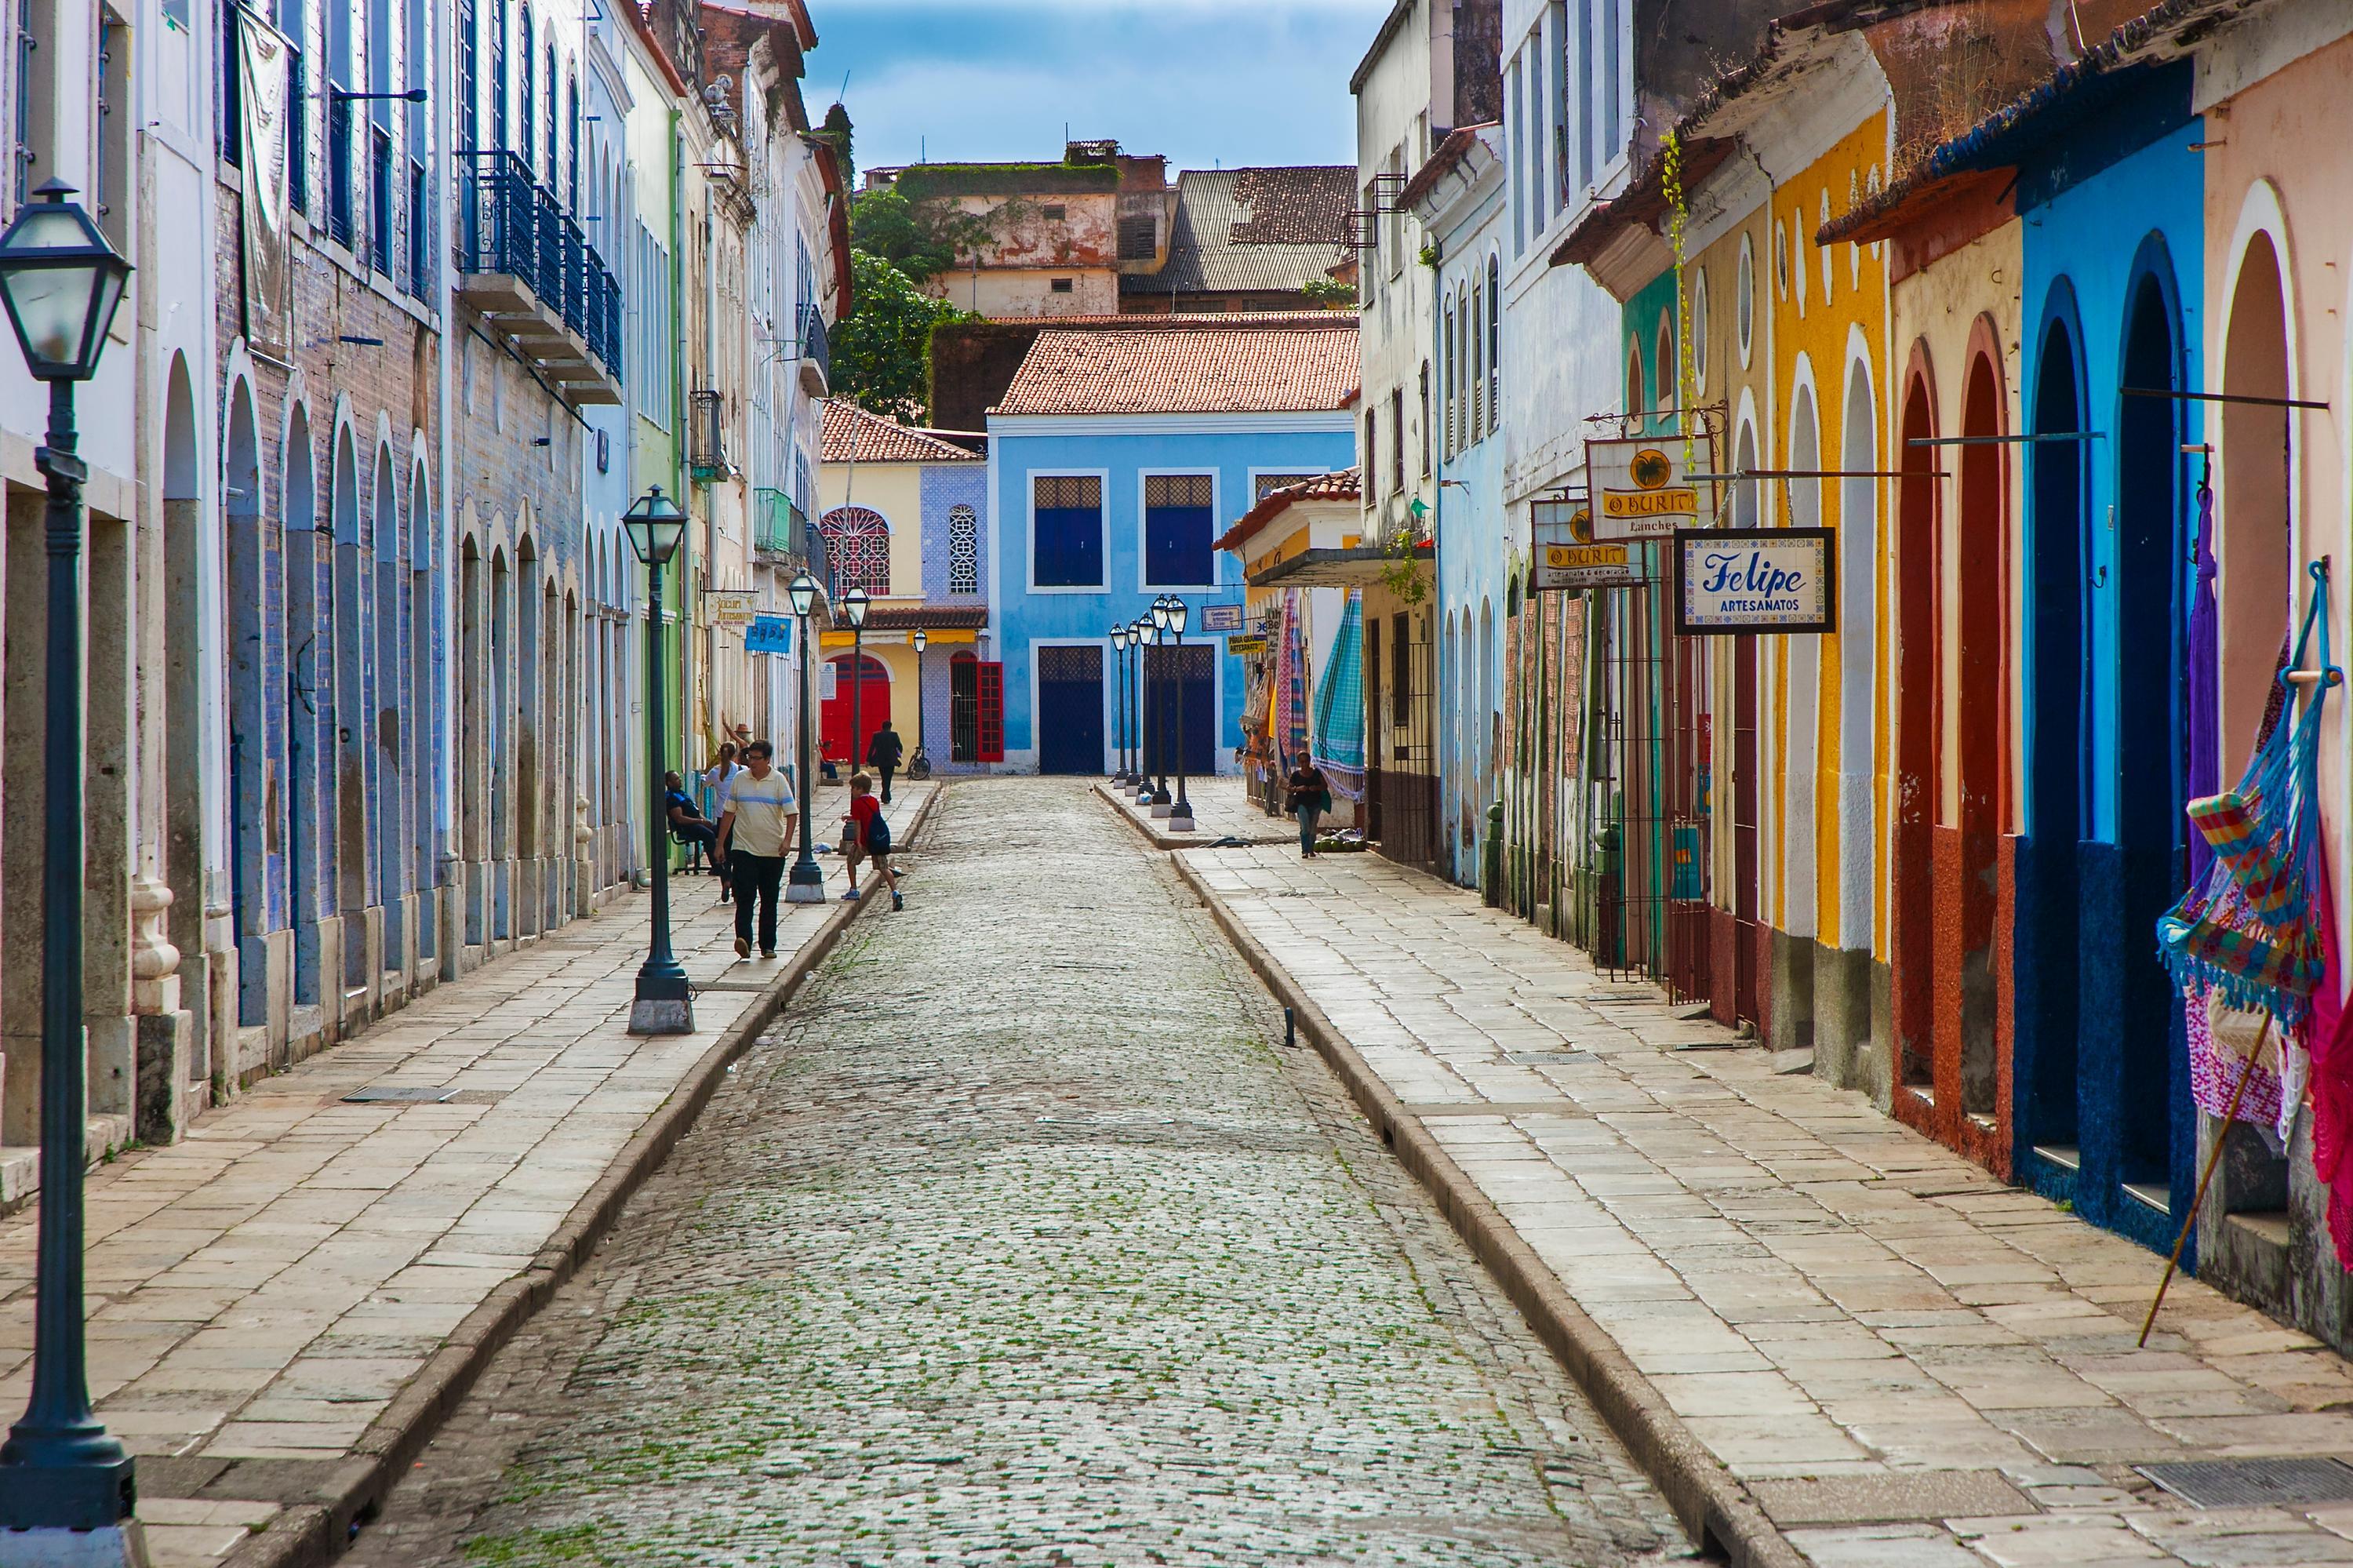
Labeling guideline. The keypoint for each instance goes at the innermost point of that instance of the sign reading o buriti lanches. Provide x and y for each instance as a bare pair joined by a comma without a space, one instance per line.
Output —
1640,488
1752,581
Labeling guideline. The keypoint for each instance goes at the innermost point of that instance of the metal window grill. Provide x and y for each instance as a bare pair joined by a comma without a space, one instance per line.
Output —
859,541
963,550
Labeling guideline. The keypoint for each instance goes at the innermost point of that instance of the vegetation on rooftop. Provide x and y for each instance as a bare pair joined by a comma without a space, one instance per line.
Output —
931,181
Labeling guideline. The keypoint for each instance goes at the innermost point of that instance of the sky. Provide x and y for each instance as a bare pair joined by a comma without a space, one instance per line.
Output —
1208,83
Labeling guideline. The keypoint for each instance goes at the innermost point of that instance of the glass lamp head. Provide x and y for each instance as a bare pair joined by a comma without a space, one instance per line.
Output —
62,284
656,527
854,605
803,594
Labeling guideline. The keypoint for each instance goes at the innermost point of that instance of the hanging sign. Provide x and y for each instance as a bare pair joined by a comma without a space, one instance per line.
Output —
1639,487
1221,617
1745,581
769,634
1247,644
1567,558
732,607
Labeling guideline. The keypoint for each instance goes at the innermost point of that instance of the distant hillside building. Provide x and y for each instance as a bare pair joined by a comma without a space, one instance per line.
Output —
1104,232
1058,235
1247,239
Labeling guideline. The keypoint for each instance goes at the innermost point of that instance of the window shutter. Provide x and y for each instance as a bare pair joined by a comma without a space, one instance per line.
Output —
991,675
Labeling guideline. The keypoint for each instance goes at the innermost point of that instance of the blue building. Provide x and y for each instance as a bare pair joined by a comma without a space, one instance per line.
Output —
1459,196
1117,455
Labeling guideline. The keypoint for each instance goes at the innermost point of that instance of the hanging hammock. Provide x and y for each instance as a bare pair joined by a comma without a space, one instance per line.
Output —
1339,745
2245,932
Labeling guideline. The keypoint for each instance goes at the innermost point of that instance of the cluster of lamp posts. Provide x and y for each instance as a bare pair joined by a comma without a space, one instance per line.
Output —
1163,625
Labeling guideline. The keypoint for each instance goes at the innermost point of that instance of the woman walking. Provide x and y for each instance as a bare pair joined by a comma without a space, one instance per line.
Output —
1311,797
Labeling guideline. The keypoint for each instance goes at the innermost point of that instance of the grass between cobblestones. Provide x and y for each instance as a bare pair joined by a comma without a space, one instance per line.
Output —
1021,1241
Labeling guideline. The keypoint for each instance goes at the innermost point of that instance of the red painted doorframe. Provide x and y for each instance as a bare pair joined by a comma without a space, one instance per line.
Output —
874,707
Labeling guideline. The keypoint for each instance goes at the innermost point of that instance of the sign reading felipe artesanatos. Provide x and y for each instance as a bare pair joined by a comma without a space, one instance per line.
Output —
1639,489
1732,582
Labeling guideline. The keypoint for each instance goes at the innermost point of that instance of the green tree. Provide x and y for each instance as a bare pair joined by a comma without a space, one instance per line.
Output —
880,354
922,241
837,130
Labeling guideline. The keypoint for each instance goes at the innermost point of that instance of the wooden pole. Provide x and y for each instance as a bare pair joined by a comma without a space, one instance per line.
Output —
2213,1158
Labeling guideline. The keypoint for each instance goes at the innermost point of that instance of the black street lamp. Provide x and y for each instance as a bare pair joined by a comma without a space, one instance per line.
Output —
919,766
853,609
1118,726
65,1482
665,1002
1139,640
805,882
1181,815
1162,801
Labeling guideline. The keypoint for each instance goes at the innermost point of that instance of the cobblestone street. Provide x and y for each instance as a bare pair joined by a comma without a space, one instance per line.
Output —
1021,1239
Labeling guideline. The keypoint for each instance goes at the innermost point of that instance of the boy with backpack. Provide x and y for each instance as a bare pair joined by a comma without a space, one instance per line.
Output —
868,833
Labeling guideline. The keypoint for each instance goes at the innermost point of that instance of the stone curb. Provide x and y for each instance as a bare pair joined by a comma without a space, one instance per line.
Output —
316,1530
1712,1504
1160,840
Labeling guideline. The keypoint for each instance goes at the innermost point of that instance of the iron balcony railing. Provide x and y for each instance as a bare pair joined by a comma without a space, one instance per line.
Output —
820,556
706,442
512,224
815,345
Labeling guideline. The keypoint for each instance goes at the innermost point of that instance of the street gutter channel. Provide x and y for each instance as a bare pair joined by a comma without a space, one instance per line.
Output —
1724,1520
316,1530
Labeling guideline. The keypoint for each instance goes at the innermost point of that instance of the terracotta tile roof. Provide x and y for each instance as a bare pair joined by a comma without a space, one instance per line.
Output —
1298,362
878,440
1243,230
1345,485
933,616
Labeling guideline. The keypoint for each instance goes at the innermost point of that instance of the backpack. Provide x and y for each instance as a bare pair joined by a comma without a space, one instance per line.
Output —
878,834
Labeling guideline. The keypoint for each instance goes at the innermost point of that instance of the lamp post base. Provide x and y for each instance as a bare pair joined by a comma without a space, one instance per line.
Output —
1161,808
806,884
1180,820
650,1015
123,1545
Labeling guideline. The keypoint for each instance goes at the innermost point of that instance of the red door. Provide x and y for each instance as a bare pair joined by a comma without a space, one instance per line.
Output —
873,705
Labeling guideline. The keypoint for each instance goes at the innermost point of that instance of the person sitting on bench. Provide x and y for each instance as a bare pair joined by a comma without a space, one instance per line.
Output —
688,825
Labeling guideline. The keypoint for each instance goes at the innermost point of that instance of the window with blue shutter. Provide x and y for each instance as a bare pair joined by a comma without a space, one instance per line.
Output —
1067,538
1177,529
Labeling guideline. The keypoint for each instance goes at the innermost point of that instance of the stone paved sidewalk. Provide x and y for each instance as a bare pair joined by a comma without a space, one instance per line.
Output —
261,1293
1907,1363
1222,808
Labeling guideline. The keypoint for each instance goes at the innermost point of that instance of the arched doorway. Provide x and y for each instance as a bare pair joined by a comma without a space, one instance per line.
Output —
388,715
252,813
872,705
1800,742
2048,1011
1748,932
1912,912
496,726
423,704
1974,790
2260,594
346,731
306,709
2140,1071
186,701
529,785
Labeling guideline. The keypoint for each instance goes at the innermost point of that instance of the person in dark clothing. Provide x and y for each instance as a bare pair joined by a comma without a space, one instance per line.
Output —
882,754
1311,797
688,825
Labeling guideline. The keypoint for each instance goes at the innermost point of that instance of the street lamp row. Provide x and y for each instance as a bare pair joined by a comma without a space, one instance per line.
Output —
1162,626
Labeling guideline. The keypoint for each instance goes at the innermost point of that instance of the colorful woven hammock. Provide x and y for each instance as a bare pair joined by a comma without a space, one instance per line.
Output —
2245,930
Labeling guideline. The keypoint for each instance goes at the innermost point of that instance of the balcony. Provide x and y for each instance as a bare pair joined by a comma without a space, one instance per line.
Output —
816,353
779,529
528,268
